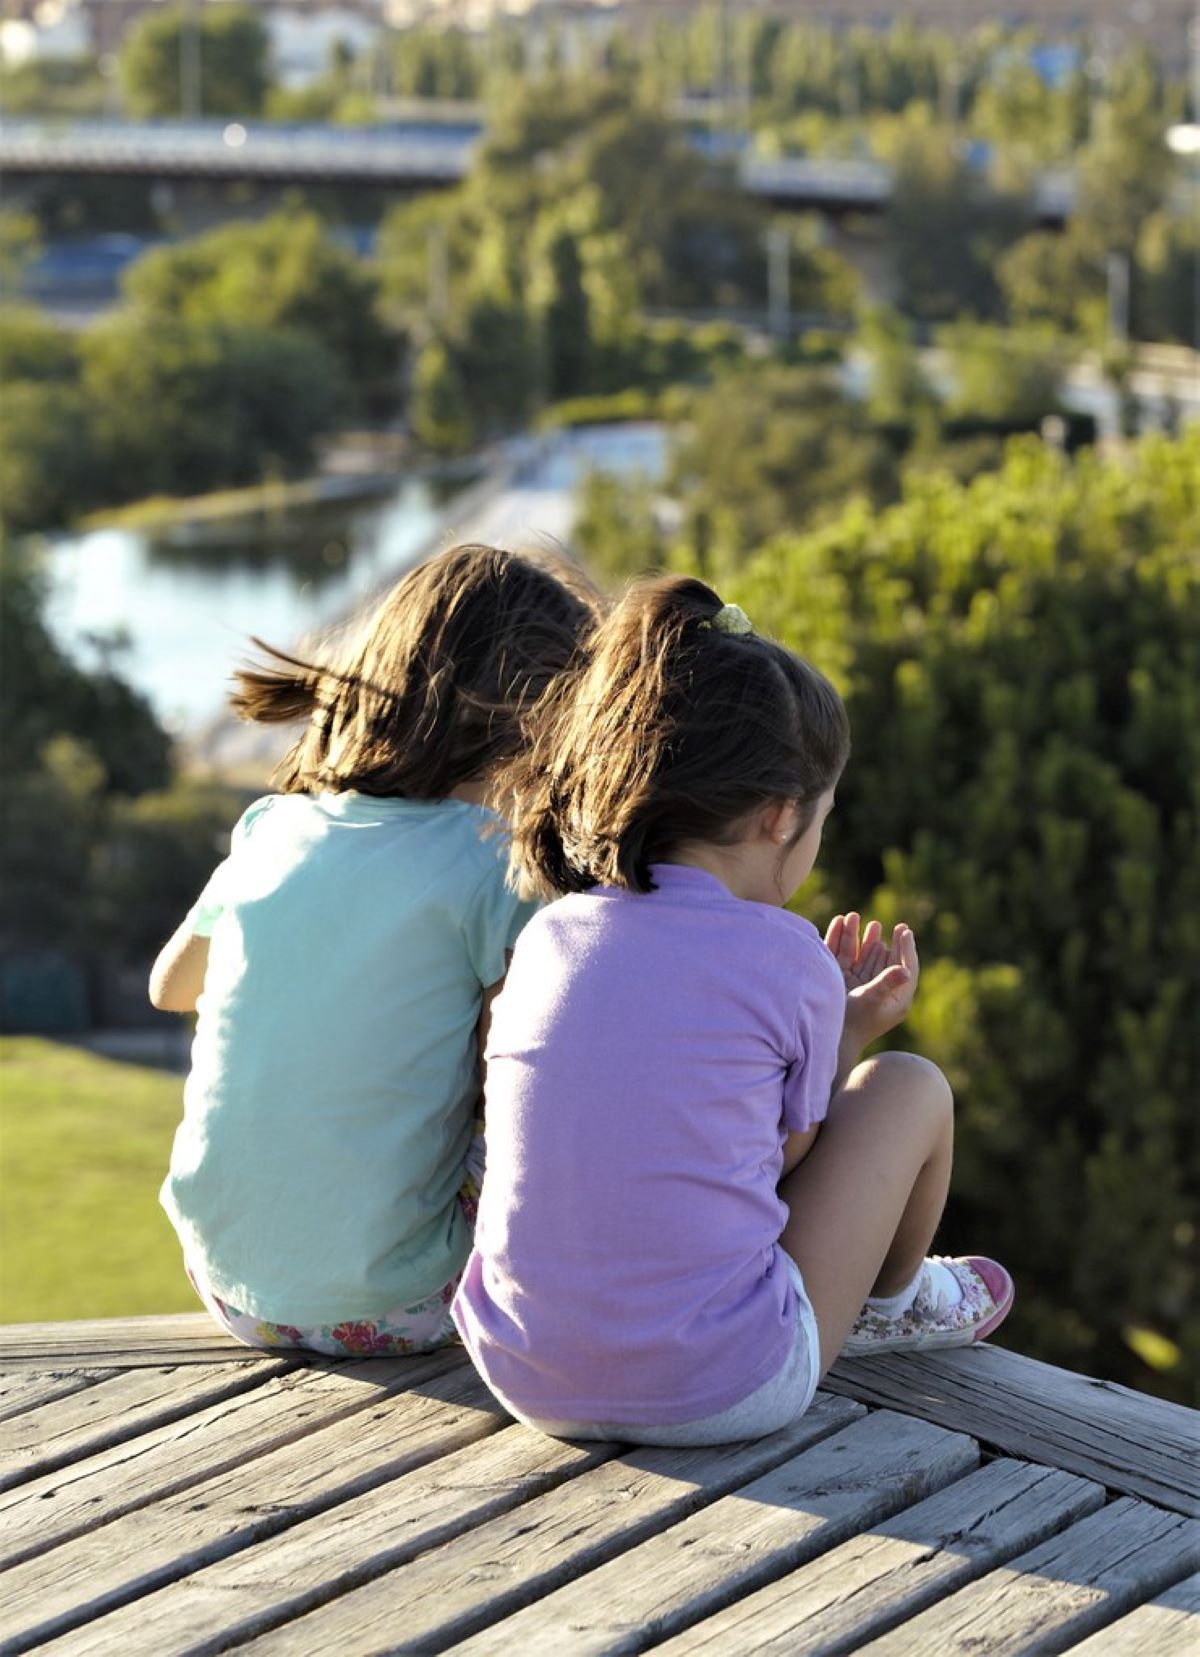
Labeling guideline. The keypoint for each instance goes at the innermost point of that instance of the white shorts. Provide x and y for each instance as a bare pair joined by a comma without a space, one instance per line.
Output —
775,1404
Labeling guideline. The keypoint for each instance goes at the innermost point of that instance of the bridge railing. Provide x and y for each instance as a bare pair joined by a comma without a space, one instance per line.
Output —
431,152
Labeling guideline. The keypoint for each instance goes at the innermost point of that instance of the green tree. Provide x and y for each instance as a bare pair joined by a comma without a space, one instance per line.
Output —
948,227
1003,374
48,695
49,468
767,451
1124,171
424,249
564,311
439,410
1166,297
232,50
899,388
284,272
1051,277
616,530
1020,657
100,851
20,244
1019,112
156,853
51,815
437,63
496,352
34,348
689,233
71,87
179,408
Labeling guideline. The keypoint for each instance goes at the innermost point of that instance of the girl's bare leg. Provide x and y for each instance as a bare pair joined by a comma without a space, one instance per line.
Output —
866,1201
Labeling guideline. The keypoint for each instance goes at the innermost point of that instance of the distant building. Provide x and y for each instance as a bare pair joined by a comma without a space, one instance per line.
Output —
304,36
1161,24
50,29
303,33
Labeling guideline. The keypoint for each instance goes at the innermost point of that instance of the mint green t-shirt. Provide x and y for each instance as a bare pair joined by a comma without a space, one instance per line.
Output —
334,1073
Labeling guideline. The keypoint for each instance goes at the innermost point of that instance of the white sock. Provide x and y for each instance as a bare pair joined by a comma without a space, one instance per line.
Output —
944,1289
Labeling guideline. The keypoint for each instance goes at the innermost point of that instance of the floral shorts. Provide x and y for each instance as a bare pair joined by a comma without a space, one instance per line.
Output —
417,1328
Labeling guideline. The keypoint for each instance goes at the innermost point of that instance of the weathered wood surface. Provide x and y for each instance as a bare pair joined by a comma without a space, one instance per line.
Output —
184,1529
69,1427
22,1391
1127,1441
50,1509
284,1575
819,1498
122,1343
176,1493
1169,1623
895,1569
1051,1597
451,1591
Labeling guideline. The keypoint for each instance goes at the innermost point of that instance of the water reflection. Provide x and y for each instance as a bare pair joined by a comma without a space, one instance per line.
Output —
188,601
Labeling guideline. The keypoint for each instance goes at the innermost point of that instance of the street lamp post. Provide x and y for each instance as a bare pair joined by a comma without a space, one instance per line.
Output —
779,282
189,62
1184,140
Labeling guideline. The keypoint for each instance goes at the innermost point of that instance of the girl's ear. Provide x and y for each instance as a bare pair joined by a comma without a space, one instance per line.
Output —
778,821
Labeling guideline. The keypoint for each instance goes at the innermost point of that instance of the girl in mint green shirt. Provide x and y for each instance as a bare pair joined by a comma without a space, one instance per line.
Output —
342,960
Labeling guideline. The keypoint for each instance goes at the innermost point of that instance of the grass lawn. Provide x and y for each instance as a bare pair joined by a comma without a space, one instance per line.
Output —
84,1145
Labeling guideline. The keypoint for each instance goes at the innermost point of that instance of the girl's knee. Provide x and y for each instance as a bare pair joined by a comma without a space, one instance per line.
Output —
908,1080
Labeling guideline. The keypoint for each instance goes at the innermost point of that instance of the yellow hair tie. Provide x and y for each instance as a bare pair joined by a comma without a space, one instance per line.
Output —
732,619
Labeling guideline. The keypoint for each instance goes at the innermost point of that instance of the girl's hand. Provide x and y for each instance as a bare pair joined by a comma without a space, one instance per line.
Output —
881,980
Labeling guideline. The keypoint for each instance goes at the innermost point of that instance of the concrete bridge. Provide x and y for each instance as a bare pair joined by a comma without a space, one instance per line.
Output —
412,155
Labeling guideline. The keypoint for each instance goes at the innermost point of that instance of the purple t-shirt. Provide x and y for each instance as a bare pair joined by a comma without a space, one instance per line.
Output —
647,1057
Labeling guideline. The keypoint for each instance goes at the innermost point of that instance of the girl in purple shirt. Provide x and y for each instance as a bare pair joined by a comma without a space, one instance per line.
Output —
697,1194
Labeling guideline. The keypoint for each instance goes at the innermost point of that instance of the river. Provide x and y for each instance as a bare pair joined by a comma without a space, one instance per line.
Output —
185,605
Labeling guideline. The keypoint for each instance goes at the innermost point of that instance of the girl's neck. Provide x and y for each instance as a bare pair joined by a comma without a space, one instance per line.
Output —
725,863
475,791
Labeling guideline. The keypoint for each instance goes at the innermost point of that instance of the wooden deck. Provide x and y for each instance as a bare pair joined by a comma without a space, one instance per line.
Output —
164,1491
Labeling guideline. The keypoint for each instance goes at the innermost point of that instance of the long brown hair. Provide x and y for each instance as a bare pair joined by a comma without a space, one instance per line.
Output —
456,655
674,731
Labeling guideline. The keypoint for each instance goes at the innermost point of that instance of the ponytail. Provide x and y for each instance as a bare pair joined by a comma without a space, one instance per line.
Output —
683,723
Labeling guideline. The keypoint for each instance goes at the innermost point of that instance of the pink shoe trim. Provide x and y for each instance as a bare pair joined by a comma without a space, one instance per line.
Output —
999,1285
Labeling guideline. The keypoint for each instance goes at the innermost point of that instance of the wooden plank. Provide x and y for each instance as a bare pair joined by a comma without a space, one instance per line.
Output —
810,1503
133,1401
1047,1599
285,1575
895,1569
1170,1623
29,1390
452,1590
125,1343
52,1508
102,1569
1127,1441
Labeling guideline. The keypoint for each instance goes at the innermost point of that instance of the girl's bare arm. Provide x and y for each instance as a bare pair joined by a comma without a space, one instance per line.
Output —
485,1018
797,1146
177,977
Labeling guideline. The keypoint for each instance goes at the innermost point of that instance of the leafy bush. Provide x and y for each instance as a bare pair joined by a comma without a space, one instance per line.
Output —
1020,658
